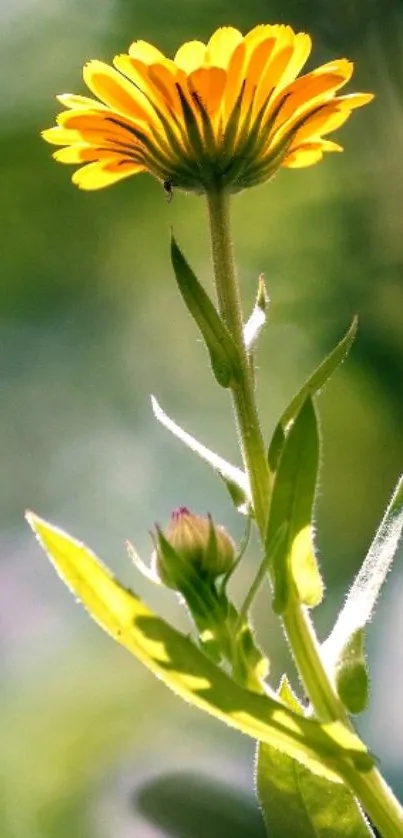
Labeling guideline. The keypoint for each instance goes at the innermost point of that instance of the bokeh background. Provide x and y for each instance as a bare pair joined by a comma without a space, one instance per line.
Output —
91,324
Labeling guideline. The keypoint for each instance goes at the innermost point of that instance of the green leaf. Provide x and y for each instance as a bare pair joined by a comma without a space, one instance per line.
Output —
296,802
234,478
221,347
313,384
351,674
290,794
289,540
176,661
362,598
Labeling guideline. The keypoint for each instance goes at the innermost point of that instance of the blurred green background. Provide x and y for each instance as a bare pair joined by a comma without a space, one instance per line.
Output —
91,324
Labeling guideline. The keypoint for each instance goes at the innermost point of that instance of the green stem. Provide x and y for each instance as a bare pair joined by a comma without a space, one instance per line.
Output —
377,800
229,303
375,796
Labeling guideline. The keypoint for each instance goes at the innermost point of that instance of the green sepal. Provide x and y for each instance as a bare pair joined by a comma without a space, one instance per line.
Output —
221,347
351,674
313,385
192,127
289,539
176,661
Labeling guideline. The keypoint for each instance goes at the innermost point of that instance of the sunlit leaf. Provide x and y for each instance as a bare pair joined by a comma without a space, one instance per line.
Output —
221,347
293,561
290,794
176,660
361,600
296,802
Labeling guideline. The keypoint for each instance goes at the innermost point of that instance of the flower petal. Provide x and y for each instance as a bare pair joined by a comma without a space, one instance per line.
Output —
221,47
60,136
105,172
116,91
209,84
69,100
302,157
145,52
81,153
190,56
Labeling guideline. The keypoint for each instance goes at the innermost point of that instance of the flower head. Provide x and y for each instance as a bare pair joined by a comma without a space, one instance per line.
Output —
226,114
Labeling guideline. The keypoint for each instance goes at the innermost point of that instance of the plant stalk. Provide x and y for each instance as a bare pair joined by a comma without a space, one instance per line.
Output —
370,788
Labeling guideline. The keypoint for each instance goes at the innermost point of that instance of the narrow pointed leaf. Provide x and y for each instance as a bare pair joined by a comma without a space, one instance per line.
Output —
256,321
313,384
176,660
289,540
234,478
318,379
361,600
220,345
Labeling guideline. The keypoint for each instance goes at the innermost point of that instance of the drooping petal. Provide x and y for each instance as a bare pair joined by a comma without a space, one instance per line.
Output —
81,153
69,100
303,156
104,173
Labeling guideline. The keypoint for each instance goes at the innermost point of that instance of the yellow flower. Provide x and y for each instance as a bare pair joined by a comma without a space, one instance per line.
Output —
221,115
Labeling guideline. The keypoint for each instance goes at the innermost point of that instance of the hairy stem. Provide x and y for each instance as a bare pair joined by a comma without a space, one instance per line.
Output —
370,788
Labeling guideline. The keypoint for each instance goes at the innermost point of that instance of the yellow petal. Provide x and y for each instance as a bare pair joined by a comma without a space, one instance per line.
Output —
145,52
355,100
262,32
190,56
70,100
235,75
273,73
60,136
105,173
302,157
164,80
304,93
259,60
221,46
329,118
116,91
81,153
301,52
208,83
339,66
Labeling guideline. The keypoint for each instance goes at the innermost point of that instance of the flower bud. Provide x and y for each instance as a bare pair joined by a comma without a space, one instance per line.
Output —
191,548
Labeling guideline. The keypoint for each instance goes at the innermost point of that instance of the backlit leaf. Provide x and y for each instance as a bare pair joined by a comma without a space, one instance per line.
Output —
289,541
221,347
176,660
